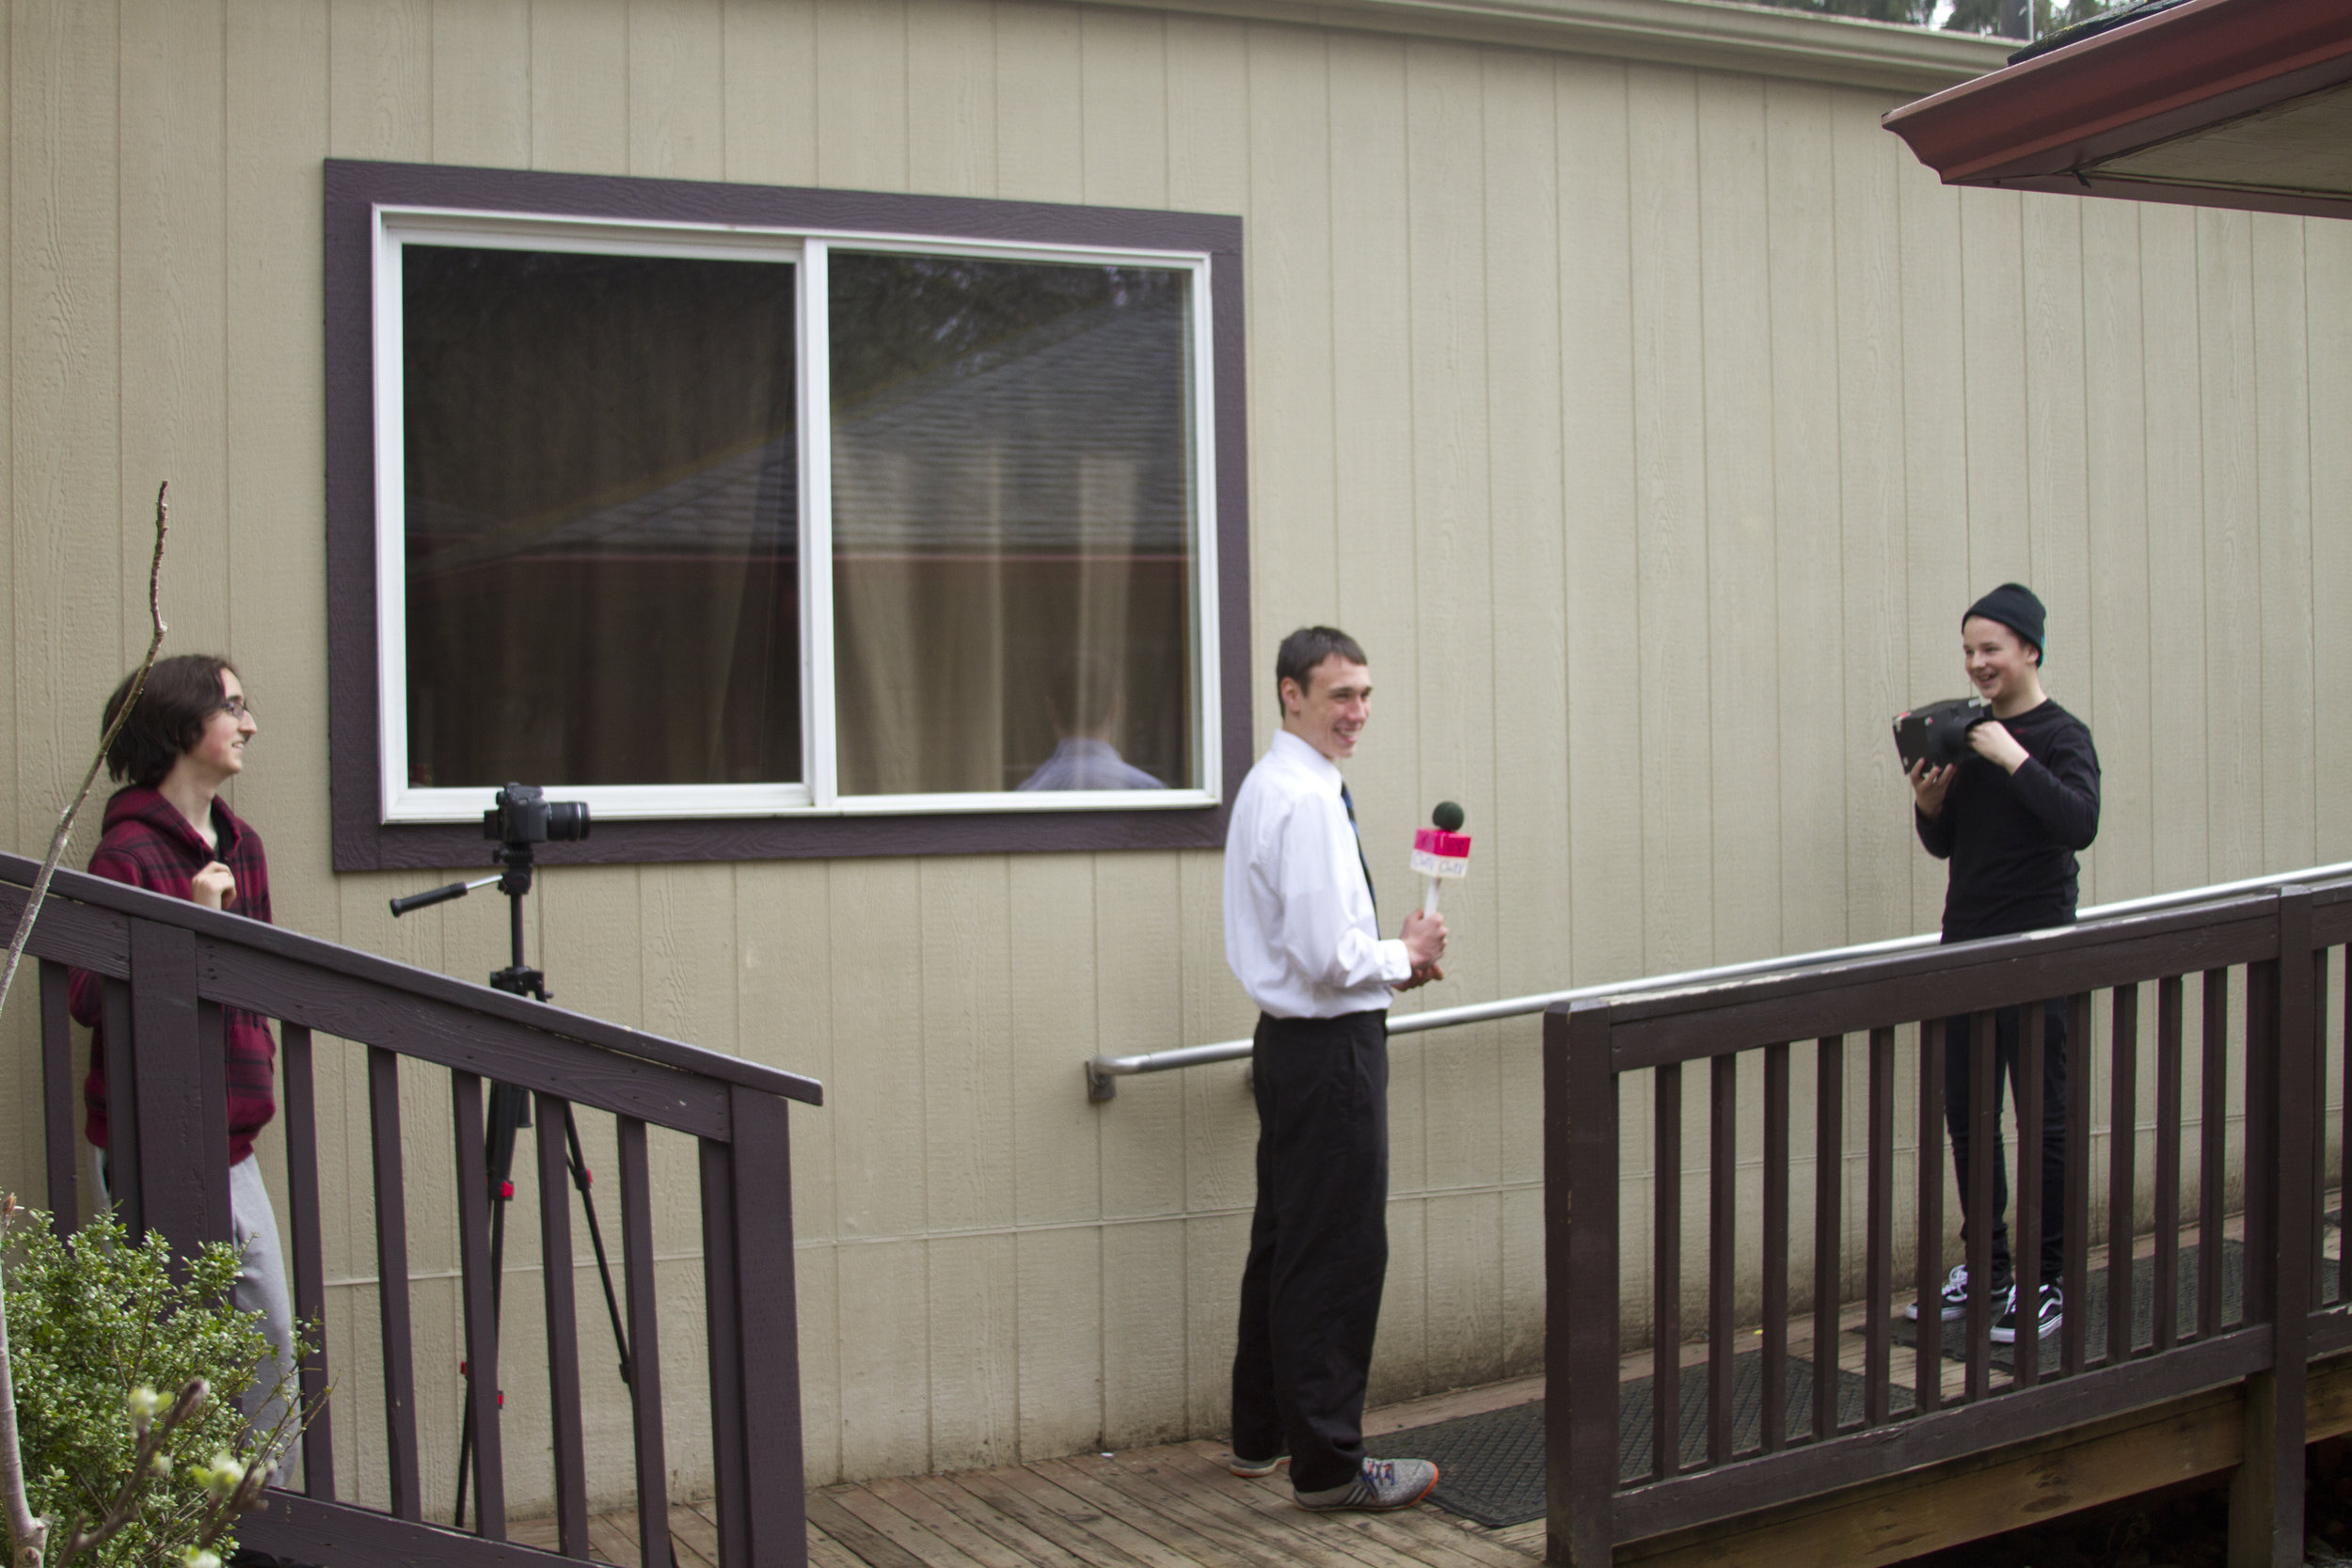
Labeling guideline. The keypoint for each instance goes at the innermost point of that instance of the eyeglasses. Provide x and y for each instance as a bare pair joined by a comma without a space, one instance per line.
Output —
236,707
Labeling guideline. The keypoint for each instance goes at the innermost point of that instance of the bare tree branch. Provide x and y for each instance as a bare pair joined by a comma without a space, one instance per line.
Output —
138,684
28,1534
31,1535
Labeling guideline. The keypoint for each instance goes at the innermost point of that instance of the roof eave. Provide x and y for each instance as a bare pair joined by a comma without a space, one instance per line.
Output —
2178,71
1704,34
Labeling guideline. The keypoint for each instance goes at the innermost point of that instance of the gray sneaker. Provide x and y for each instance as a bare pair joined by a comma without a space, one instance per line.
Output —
1382,1483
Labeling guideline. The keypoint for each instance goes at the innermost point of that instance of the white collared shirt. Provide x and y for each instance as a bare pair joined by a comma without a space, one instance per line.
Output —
1082,761
1299,928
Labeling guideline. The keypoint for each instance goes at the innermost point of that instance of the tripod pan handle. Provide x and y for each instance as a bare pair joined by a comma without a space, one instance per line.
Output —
438,895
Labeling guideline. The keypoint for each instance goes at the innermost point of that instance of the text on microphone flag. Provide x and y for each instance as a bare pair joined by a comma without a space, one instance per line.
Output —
1439,853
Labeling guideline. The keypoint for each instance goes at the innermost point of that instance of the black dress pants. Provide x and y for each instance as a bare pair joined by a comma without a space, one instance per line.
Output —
2007,1024
1318,1244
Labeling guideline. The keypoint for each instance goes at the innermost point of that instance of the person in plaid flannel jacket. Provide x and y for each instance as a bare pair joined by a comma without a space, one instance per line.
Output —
167,831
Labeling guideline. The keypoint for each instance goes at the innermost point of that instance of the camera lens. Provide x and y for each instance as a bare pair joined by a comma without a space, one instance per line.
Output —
567,819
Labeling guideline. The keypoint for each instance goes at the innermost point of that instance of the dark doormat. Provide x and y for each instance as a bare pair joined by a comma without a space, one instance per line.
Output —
1490,1467
2143,1308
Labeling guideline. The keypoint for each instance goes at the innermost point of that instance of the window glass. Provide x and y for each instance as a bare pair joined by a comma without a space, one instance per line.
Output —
602,519
1012,525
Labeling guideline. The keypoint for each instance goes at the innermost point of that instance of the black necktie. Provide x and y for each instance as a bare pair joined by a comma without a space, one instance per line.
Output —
1349,802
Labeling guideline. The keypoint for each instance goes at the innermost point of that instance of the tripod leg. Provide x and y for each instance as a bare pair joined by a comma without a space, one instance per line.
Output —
509,1110
465,1432
582,1181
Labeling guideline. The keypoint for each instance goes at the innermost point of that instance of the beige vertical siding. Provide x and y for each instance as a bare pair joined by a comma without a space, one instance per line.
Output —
1650,425
2328,324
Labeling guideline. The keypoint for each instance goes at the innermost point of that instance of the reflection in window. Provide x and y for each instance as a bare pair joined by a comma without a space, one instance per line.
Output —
602,519
1012,525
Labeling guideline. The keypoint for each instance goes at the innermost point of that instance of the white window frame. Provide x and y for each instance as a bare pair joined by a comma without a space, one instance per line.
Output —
808,250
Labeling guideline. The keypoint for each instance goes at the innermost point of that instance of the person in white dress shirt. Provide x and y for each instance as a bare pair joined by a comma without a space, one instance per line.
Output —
1302,936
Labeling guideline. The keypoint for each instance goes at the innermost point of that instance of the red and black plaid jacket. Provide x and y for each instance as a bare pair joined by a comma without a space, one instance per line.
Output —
149,844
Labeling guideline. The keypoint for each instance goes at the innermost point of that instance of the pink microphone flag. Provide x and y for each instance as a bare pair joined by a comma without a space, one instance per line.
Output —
1439,853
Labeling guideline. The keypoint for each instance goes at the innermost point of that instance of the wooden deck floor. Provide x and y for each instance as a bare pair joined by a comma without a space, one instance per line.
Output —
1176,1507
1161,1508
1172,1507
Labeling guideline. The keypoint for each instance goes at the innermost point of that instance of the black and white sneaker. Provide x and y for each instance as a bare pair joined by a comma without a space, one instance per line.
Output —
1954,1296
2052,1313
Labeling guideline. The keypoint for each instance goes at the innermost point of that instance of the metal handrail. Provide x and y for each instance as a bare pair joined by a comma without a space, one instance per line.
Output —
1104,1072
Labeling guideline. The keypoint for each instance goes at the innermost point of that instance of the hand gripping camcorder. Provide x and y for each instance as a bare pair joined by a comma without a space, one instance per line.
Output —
1937,734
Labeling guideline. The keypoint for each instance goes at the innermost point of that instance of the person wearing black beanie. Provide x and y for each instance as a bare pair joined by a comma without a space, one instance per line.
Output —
2009,818
2014,606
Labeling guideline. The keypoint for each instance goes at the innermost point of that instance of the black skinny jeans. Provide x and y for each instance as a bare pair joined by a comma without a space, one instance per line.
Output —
1318,1244
2007,1028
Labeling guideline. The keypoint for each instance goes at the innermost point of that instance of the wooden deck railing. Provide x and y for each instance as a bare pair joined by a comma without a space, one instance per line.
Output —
2266,1036
168,968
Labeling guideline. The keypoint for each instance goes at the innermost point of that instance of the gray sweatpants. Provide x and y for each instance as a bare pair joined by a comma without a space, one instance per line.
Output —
262,1288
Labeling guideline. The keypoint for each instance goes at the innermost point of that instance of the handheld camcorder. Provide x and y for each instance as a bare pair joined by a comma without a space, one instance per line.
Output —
524,815
1937,734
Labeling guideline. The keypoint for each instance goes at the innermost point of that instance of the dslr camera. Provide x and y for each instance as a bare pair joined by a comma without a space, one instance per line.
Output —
1936,735
524,815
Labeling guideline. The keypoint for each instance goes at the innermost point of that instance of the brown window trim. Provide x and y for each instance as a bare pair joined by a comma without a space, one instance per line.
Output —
363,842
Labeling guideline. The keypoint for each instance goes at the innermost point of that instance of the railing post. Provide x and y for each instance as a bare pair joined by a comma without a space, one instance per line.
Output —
1723,1253
767,1327
302,1224
723,1332
122,1104
569,1435
2266,1492
180,1120
478,1297
57,1098
1581,1302
385,1147
1983,1112
640,1297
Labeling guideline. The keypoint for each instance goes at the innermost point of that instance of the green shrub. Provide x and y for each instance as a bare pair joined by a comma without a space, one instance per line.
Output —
96,1319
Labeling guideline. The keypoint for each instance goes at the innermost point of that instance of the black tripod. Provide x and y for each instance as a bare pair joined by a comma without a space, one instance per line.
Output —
509,1111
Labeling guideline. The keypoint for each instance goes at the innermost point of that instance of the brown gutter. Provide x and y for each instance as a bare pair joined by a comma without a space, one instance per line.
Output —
2236,199
2038,123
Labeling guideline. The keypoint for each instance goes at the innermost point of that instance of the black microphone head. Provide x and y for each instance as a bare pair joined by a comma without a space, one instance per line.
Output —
1447,819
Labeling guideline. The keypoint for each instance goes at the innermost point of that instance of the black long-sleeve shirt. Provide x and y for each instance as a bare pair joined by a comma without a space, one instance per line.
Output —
2011,837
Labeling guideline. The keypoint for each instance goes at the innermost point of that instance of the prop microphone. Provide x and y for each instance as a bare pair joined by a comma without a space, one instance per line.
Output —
1441,852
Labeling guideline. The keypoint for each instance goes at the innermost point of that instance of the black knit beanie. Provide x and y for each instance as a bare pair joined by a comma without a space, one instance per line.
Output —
2013,604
